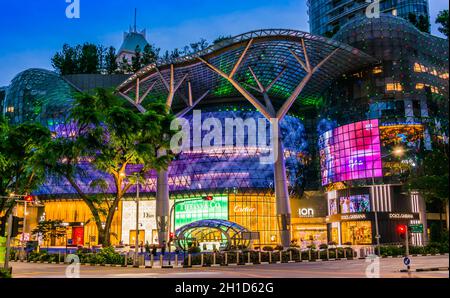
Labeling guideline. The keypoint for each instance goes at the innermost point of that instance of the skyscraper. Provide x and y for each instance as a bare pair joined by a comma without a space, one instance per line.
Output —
326,17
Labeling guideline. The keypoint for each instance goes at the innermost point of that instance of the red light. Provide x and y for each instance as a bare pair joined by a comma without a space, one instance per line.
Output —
208,198
171,235
29,199
401,229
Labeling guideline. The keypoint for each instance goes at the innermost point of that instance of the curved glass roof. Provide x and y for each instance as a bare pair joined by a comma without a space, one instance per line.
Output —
203,228
269,55
38,95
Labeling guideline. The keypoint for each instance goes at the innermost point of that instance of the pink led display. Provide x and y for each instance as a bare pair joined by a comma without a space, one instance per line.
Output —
351,152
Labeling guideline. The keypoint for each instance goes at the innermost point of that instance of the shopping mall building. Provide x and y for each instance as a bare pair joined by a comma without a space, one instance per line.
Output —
344,105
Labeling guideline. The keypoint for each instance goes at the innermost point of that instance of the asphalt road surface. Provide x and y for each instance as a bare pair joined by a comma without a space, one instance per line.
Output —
389,268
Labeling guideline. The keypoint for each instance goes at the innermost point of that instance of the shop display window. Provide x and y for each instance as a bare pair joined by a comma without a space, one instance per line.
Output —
357,232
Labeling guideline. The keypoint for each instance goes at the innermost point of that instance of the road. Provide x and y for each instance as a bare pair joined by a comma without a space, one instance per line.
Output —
389,268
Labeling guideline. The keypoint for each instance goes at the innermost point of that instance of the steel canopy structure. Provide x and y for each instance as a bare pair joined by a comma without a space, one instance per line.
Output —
271,69
228,233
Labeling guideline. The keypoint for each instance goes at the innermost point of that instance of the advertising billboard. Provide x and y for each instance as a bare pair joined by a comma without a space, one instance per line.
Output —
351,152
195,209
355,204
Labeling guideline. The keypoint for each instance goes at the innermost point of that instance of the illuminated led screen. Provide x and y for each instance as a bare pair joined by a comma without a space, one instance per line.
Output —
351,152
355,204
195,209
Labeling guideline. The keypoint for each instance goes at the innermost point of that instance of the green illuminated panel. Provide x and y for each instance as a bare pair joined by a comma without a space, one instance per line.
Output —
195,209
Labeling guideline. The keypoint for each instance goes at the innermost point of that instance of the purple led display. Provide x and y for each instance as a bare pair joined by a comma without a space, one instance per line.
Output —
351,152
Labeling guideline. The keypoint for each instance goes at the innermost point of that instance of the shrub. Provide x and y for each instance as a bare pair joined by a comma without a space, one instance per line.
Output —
267,248
194,249
279,247
5,273
323,246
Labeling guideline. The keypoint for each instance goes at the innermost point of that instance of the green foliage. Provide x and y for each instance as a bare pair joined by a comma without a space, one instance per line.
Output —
20,145
422,23
50,230
431,178
114,136
5,273
443,20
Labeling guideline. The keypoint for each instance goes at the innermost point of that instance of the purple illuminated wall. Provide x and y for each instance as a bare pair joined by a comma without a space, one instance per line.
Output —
351,152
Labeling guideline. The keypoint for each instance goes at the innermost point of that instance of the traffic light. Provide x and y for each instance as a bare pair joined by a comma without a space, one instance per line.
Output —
3,221
208,198
17,226
29,199
402,230
171,236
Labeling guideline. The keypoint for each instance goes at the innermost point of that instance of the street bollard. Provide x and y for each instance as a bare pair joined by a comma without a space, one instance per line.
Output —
237,258
189,260
345,253
318,254
59,256
214,259
336,254
152,260
328,254
142,260
226,259
290,255
259,257
201,259
176,260
125,257
281,256
309,255
161,260
249,258
270,257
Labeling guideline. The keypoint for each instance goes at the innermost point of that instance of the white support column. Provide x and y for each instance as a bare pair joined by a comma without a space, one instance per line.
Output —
280,177
281,186
162,206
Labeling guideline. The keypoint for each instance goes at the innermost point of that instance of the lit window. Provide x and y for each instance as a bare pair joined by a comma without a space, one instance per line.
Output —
417,67
394,12
377,69
10,109
394,87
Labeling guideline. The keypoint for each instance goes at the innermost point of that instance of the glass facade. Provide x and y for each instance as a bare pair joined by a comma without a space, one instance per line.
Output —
326,16
39,95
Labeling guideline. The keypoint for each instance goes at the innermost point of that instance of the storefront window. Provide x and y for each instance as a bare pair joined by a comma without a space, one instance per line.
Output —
357,232
257,213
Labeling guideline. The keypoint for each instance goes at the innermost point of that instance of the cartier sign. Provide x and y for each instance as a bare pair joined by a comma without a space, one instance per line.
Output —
239,209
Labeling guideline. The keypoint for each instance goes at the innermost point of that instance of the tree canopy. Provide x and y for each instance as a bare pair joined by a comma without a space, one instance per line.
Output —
443,20
111,138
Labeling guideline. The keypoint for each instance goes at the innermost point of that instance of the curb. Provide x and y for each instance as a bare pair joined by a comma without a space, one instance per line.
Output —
426,269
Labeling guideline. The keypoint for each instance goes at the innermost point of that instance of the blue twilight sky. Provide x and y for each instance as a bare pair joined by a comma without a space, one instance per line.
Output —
33,30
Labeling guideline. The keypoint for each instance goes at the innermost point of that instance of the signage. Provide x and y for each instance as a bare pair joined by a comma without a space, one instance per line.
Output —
401,216
407,261
353,216
416,228
306,212
196,208
239,209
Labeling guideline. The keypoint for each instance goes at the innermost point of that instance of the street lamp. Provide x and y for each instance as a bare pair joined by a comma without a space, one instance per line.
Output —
398,151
